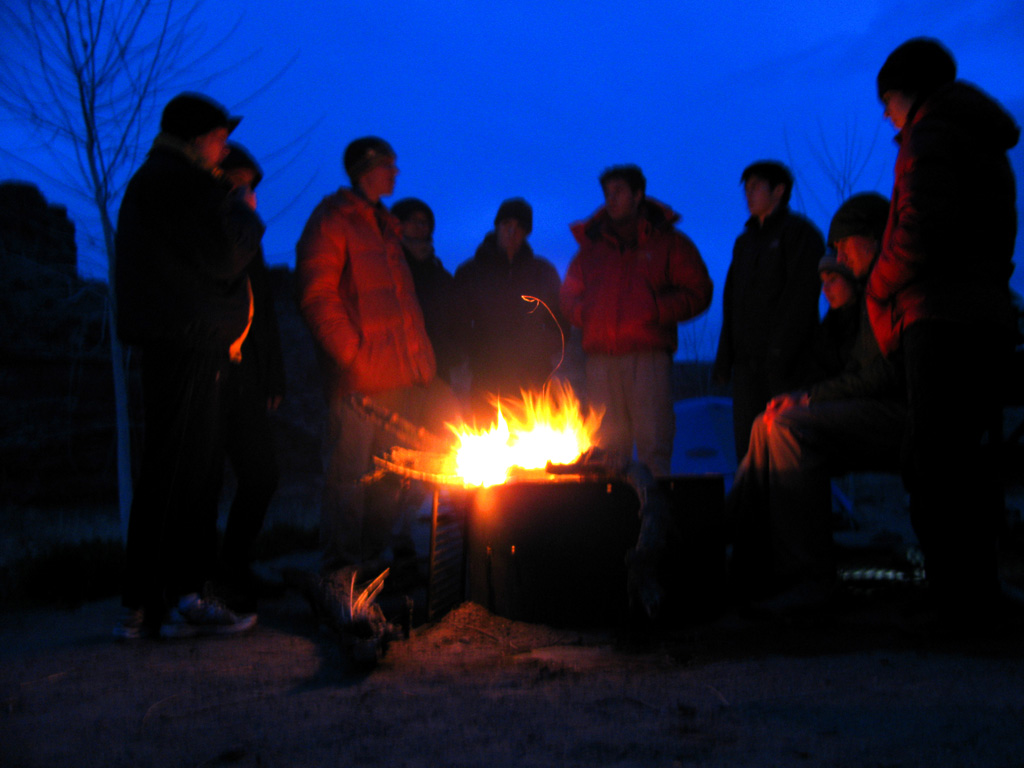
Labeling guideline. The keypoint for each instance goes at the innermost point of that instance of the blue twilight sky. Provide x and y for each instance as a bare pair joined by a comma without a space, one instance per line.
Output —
484,101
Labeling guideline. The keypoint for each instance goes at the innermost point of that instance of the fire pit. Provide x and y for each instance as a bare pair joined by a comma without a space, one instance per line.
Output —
554,552
548,547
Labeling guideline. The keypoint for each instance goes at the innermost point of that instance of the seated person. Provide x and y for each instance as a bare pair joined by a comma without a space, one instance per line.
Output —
834,340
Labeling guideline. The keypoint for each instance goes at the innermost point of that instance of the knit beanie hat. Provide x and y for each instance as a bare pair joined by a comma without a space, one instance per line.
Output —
916,68
365,154
407,206
516,208
862,214
239,157
190,115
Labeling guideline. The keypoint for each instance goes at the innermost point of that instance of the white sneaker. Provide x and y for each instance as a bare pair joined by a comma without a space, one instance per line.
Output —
195,615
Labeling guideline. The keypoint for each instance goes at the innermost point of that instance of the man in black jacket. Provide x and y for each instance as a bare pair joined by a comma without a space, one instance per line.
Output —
511,343
435,286
770,303
184,240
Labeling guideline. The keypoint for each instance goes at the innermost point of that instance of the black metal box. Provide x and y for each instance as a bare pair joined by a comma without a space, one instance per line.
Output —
554,552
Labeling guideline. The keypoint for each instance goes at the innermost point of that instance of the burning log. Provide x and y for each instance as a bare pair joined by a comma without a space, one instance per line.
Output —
407,433
349,611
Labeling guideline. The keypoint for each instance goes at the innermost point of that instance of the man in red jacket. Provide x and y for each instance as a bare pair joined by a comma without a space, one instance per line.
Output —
634,278
357,295
939,301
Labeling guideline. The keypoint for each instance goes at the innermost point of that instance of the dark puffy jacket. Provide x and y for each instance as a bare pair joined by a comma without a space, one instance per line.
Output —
262,367
357,297
435,290
510,341
867,373
183,243
948,246
630,297
770,302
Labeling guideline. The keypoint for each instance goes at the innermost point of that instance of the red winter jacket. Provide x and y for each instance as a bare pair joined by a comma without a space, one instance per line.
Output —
948,246
357,296
629,298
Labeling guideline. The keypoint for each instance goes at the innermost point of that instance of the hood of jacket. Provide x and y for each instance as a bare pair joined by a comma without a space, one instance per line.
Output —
653,214
975,114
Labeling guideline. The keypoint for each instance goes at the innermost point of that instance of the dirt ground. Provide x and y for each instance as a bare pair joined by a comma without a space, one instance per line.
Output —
861,686
865,685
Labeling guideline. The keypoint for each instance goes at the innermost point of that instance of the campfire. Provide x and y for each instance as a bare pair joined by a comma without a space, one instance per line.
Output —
544,428
541,429
553,530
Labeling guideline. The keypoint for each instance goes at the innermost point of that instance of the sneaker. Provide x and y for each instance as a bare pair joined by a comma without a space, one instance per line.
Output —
132,625
195,615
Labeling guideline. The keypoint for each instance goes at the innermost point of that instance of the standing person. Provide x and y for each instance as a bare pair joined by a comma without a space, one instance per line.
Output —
633,279
511,343
357,295
184,240
435,286
253,389
939,301
770,303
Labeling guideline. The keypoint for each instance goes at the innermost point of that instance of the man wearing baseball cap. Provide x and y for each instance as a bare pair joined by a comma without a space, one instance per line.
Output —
184,240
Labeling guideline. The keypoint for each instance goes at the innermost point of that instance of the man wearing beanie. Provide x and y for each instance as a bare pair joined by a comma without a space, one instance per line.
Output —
435,286
512,344
939,302
184,241
838,329
770,302
780,504
357,296
634,278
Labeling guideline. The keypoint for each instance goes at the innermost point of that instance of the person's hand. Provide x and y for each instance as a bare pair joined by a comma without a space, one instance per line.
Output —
782,403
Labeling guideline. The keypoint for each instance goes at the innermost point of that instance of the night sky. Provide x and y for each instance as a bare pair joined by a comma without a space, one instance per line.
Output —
484,101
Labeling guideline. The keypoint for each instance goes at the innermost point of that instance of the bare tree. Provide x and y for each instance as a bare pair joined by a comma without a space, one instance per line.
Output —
85,76
843,163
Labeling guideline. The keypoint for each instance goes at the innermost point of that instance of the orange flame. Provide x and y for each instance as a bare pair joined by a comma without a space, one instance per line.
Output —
544,427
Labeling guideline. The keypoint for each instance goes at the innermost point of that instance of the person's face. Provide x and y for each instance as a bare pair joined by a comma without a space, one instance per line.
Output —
379,181
511,236
837,289
416,227
620,202
762,199
856,253
417,235
212,147
240,177
897,108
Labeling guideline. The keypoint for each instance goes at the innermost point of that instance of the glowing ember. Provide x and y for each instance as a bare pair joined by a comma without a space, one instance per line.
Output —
544,427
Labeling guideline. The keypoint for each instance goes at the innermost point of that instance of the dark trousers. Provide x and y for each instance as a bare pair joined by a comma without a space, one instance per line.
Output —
249,447
172,527
955,375
780,505
751,392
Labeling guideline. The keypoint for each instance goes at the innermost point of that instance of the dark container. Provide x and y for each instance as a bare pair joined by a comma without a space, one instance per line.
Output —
553,552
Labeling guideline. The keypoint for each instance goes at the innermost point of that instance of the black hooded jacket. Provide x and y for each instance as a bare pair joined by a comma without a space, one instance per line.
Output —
183,243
